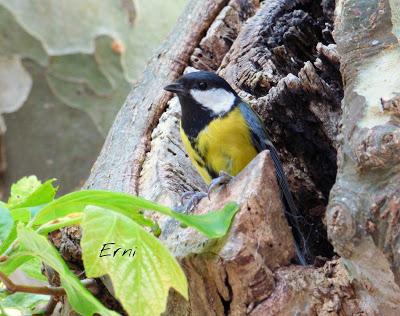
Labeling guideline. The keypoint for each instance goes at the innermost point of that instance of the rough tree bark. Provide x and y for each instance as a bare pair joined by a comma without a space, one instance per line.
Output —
364,207
281,57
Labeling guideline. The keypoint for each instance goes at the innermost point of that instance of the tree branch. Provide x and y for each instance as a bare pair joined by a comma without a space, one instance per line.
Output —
51,305
45,290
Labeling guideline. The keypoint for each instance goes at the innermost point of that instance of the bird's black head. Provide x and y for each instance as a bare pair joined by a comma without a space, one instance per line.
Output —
203,95
200,81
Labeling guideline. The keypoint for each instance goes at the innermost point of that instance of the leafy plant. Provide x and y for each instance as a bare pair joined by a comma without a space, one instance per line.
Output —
24,303
141,269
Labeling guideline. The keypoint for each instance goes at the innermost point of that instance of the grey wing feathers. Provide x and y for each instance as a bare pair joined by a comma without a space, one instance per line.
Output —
261,141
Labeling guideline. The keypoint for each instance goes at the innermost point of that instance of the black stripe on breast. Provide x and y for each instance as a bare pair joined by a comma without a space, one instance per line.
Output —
203,162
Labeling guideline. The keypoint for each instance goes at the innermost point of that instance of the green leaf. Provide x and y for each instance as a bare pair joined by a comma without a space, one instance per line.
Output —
77,201
213,224
42,195
9,240
25,214
29,192
25,303
22,215
22,189
8,229
6,223
14,261
81,300
33,269
141,281
72,219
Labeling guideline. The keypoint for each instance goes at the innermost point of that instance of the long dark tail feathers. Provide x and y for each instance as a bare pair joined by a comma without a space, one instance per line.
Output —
301,259
293,215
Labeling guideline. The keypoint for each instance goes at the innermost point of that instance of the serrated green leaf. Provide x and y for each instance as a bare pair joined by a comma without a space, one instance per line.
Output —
141,281
213,224
30,193
25,195
22,189
81,300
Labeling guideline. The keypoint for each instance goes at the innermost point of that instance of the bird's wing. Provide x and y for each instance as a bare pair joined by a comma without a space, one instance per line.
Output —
262,141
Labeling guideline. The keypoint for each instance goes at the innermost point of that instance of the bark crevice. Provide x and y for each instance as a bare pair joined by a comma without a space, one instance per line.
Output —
279,63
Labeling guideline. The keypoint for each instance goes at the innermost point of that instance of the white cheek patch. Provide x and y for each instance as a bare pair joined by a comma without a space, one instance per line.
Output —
217,100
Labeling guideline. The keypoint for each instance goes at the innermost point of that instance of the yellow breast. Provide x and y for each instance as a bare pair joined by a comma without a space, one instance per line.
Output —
223,145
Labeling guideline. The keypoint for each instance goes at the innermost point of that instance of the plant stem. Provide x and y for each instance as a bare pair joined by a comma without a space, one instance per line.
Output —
51,305
45,290
48,228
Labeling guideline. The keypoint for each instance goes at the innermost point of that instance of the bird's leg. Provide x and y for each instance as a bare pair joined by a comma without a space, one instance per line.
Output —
193,198
223,178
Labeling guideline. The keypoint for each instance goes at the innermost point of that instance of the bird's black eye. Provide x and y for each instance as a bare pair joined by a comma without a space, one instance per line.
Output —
202,85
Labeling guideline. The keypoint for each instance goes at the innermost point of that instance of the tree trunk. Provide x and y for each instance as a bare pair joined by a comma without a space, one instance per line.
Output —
364,207
280,57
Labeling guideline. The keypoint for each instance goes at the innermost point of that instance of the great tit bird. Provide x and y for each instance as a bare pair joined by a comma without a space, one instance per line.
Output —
221,134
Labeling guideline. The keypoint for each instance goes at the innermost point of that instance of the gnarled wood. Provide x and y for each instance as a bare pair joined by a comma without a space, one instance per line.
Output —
364,208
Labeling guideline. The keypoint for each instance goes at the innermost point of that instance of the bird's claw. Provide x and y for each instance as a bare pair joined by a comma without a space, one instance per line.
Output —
186,195
194,198
223,178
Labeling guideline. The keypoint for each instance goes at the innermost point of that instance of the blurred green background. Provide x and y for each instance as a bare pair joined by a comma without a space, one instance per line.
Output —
66,67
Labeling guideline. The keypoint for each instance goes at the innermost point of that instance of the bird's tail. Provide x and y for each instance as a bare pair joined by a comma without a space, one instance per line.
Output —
293,215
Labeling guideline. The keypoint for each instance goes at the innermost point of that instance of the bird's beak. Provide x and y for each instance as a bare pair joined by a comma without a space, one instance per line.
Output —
175,87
